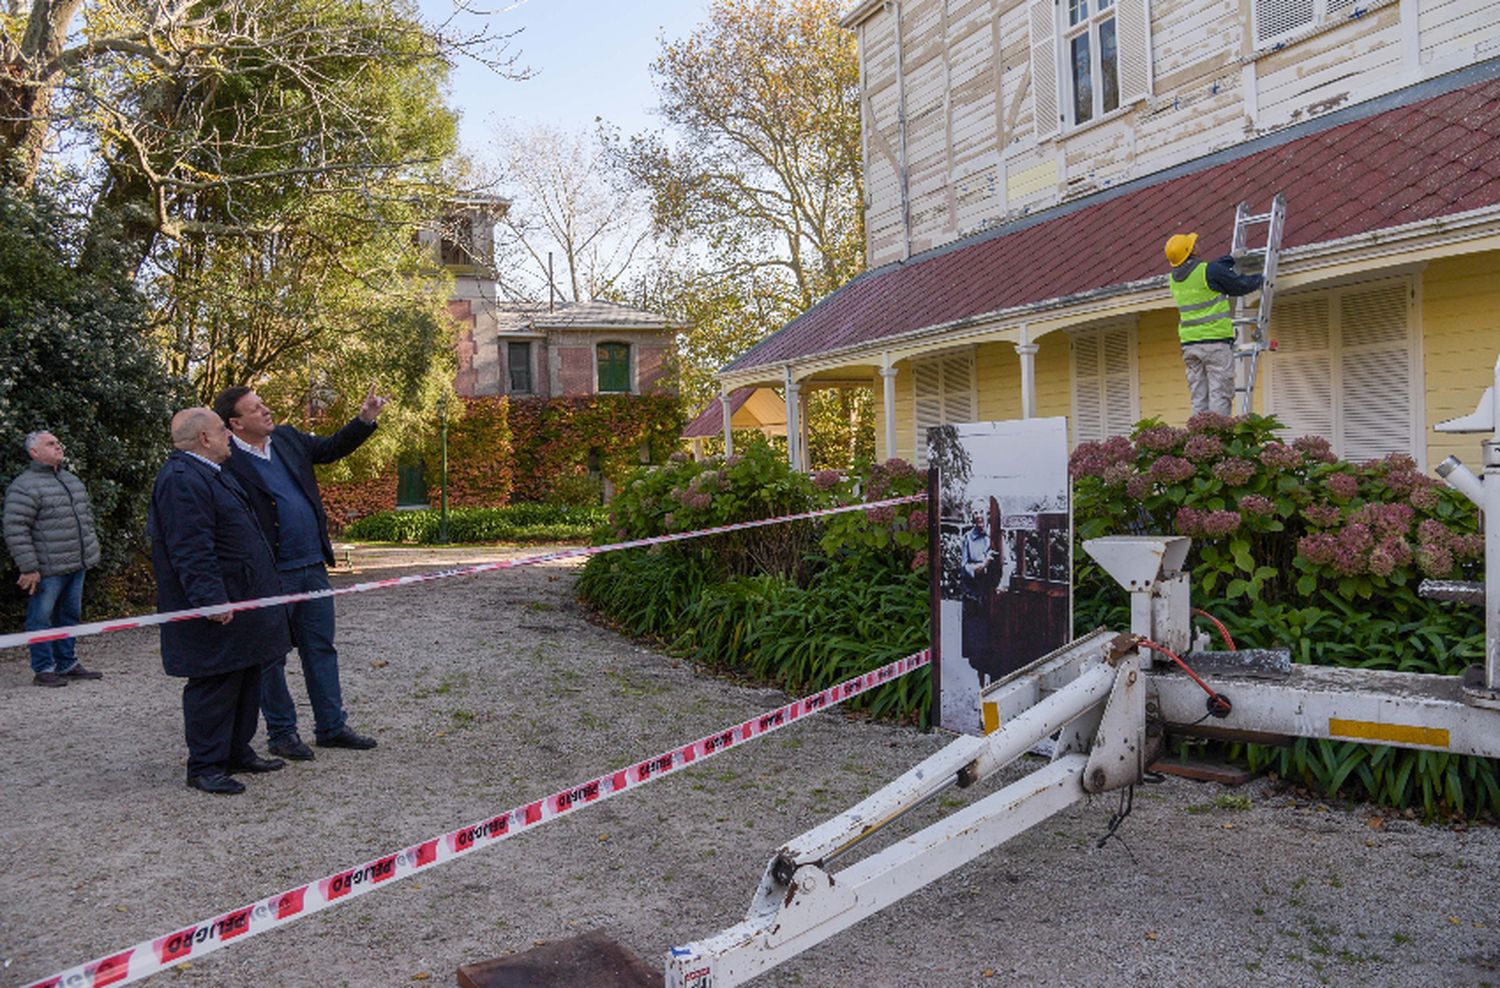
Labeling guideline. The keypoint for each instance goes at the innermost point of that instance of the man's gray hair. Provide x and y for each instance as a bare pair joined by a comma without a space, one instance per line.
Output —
32,438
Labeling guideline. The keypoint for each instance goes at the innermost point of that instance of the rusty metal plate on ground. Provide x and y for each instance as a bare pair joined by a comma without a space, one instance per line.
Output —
592,960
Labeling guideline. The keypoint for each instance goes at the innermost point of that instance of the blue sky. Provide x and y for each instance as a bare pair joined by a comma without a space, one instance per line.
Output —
590,58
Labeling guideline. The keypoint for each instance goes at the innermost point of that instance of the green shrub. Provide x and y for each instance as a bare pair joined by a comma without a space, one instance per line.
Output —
516,523
749,602
1293,547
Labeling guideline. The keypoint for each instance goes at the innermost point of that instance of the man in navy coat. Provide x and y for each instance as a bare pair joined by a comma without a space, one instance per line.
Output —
274,463
207,548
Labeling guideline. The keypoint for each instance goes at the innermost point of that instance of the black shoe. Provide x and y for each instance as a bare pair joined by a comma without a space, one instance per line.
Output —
292,748
217,783
79,672
48,679
346,738
256,765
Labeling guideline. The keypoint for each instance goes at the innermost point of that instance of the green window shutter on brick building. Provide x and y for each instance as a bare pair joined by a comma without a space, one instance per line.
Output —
614,367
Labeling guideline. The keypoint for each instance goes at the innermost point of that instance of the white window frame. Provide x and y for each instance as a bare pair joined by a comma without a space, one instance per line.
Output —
1336,347
1051,36
1095,13
1132,348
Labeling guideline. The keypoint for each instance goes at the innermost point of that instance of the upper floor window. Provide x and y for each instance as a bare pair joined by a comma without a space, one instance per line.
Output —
614,367
1089,59
1276,19
1093,58
518,366
457,243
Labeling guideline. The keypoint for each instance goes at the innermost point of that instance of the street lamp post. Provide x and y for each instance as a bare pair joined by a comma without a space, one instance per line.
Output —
442,536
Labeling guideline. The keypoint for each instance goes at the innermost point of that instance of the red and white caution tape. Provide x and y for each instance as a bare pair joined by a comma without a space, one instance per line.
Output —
20,638
207,935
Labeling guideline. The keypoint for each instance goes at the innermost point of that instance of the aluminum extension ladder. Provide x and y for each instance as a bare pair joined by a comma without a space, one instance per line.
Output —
1252,326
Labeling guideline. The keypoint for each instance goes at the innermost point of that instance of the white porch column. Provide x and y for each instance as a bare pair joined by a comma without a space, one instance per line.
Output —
728,413
698,448
888,376
793,419
1027,352
803,460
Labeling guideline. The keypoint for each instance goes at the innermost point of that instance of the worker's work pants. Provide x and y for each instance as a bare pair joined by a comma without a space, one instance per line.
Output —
1210,375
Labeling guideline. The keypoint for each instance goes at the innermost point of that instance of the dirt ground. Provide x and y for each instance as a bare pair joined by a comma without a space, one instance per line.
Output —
489,691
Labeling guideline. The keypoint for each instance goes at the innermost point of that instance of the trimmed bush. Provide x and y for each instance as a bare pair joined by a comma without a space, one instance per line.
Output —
517,523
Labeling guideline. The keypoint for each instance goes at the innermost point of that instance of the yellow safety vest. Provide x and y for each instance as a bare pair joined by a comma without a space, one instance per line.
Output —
1203,313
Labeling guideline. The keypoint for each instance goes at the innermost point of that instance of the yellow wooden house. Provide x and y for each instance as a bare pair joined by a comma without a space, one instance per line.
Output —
1026,160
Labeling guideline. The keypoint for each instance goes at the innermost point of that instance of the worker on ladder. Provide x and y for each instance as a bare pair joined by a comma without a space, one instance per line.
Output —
1202,290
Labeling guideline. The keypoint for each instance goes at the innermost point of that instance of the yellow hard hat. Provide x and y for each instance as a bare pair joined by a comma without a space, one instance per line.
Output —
1179,247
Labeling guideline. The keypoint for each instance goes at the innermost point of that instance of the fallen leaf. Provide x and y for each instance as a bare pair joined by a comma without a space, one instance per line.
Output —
1455,921
1151,935
603,838
1228,826
379,664
1376,823
988,972
539,943
184,966
421,976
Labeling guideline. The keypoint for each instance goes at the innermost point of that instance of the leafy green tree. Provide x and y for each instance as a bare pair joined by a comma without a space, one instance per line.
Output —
764,100
77,359
264,167
760,173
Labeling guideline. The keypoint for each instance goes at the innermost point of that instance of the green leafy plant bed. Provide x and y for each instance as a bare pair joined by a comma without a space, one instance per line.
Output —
1293,547
516,523
801,605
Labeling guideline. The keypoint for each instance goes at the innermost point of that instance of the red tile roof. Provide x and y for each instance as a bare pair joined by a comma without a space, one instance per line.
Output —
710,418
1433,157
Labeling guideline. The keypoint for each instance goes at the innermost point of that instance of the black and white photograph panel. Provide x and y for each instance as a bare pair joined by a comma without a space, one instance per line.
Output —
1004,570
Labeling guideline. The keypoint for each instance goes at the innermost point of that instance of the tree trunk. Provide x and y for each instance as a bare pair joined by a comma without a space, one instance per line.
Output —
28,76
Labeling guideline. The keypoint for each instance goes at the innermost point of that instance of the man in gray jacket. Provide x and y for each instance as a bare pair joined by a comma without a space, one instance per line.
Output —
49,530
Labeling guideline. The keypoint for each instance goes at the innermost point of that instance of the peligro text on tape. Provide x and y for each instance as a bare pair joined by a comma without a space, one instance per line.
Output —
20,638
207,935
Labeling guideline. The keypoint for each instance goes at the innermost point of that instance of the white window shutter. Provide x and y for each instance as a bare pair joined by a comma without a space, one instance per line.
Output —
943,394
927,402
1088,413
1118,391
958,389
1133,38
1345,369
1301,376
1376,366
1044,94
1106,398
1277,17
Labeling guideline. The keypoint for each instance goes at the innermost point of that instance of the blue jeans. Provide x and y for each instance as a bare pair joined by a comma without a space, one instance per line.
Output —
57,603
312,630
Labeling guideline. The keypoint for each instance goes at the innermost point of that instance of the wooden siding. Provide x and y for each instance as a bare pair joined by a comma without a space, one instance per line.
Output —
971,155
999,374
1460,306
1329,70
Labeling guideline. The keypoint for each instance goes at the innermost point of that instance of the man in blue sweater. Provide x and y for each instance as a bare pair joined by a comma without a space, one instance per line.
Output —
275,466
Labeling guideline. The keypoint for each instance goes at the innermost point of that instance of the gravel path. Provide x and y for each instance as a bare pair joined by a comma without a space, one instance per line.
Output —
488,691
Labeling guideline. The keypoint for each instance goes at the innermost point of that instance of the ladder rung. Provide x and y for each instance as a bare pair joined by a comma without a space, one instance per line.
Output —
1255,218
